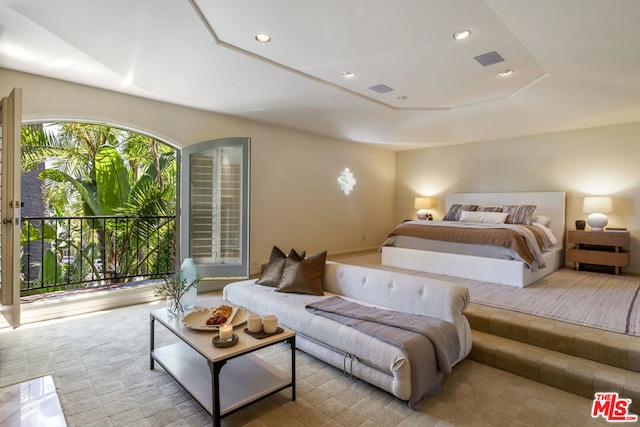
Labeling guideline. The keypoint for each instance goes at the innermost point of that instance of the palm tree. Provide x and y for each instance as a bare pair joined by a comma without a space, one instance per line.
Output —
96,170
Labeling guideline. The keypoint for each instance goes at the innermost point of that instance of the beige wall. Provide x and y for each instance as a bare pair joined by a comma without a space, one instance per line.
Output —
295,197
295,200
600,161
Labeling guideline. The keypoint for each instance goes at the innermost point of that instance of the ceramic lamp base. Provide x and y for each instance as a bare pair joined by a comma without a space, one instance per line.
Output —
597,221
424,214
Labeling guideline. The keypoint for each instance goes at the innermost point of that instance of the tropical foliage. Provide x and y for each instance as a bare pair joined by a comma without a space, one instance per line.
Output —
101,171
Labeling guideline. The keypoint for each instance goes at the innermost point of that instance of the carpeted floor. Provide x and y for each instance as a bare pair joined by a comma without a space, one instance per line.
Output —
100,366
598,300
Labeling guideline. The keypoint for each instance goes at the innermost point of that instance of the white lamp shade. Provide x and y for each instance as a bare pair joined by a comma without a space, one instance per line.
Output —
597,207
423,203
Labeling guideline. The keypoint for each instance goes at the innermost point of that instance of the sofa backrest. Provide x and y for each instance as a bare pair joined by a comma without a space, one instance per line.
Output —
397,291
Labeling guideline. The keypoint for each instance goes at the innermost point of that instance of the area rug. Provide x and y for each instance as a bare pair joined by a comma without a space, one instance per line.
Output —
597,300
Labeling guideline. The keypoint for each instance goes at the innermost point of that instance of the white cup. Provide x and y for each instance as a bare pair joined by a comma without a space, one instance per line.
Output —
254,323
270,323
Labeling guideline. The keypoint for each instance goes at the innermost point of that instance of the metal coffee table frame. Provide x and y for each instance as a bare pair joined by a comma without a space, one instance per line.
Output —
245,379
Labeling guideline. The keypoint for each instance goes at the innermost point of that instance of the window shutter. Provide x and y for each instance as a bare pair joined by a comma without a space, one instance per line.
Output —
215,176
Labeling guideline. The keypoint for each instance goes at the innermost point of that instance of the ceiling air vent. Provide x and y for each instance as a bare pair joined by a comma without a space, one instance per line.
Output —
489,58
381,88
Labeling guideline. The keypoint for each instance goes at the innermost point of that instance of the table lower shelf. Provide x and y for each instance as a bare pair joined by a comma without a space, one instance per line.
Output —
243,379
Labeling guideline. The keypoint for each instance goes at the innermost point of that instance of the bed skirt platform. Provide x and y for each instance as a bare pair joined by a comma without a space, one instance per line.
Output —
501,271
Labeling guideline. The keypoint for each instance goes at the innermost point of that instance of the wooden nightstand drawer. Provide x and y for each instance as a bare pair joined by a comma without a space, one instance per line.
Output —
599,248
602,238
614,259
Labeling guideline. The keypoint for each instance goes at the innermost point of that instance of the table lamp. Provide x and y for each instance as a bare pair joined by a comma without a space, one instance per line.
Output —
597,207
422,204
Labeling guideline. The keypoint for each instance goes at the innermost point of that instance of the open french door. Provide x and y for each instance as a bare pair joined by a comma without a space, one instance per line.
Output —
10,144
214,215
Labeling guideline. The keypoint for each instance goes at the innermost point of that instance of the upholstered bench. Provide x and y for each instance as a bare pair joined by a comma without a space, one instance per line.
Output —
360,354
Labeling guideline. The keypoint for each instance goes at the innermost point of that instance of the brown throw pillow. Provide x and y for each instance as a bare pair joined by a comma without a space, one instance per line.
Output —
305,276
302,255
273,271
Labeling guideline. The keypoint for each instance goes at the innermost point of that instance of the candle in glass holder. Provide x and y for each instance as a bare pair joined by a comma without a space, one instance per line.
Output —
226,332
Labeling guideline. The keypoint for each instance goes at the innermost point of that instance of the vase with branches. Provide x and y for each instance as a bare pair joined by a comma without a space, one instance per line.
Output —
174,288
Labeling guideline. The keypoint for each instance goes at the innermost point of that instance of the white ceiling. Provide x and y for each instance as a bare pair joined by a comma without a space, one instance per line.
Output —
576,63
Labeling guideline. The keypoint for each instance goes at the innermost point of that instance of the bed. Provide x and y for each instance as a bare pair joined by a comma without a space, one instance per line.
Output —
491,263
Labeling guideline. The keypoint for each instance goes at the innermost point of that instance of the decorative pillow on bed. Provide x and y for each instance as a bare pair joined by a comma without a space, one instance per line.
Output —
305,276
490,209
272,273
483,217
454,211
519,214
541,219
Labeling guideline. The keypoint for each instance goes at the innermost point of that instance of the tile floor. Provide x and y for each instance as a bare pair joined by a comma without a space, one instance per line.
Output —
31,403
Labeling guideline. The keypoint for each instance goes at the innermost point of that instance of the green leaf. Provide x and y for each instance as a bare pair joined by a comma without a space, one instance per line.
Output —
49,232
29,233
50,266
112,180
86,195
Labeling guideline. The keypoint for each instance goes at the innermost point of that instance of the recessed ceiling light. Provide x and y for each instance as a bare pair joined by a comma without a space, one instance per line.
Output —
263,38
505,73
462,34
347,74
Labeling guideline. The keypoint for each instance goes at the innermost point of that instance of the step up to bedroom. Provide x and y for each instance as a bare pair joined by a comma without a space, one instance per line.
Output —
577,359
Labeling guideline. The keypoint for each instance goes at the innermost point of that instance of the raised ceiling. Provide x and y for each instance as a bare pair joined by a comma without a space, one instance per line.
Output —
575,63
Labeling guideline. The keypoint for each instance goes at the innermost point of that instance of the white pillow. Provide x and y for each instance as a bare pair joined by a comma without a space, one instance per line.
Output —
548,232
484,217
541,219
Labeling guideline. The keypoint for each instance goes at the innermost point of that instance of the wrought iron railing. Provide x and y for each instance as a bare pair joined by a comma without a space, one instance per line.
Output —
64,253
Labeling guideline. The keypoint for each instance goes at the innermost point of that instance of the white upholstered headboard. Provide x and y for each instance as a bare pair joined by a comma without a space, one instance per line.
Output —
551,204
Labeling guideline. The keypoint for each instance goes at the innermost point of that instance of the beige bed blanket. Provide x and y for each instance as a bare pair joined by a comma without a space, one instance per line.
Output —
527,241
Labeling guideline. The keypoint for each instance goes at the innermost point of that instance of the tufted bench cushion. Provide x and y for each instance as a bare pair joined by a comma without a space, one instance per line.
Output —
402,292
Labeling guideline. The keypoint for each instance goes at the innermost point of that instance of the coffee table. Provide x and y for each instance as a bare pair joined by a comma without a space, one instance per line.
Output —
222,380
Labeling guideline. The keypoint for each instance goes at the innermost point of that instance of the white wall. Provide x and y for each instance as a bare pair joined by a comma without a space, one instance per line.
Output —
295,198
599,161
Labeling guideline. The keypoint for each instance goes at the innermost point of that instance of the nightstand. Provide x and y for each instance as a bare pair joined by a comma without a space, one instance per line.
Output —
599,248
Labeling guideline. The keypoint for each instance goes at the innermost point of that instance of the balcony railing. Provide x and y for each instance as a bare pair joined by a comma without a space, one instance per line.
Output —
65,253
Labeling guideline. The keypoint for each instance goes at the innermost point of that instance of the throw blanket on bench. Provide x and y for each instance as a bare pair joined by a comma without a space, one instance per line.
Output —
412,333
